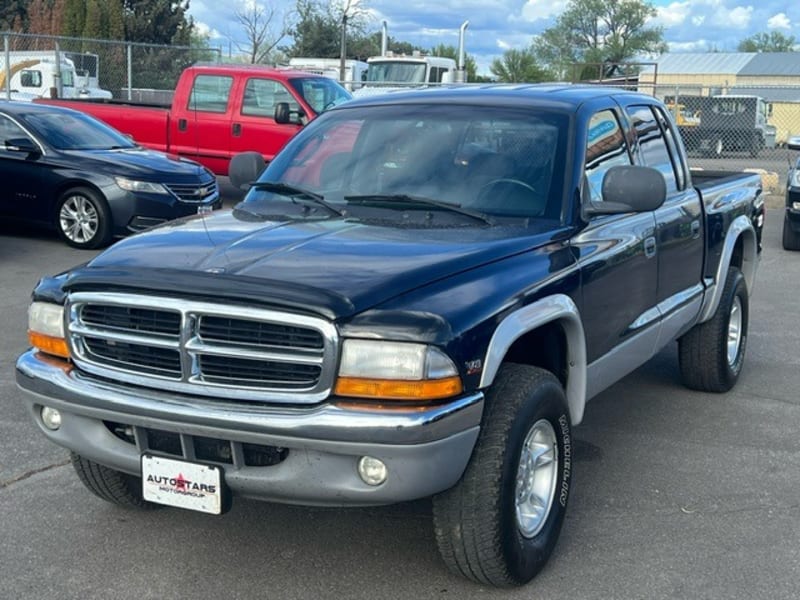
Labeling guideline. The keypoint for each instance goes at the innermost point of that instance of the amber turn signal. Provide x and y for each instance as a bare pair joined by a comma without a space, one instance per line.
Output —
392,389
48,344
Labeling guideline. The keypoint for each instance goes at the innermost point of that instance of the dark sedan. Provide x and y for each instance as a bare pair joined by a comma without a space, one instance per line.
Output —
67,170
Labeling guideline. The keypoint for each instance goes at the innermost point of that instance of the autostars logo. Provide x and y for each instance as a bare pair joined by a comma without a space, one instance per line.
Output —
181,485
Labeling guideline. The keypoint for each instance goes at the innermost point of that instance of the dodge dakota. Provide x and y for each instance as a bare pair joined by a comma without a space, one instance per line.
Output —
416,298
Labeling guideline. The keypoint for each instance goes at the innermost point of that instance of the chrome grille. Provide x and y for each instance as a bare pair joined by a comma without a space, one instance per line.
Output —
223,351
192,192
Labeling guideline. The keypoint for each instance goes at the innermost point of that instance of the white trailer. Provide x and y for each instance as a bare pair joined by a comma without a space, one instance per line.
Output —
39,74
355,70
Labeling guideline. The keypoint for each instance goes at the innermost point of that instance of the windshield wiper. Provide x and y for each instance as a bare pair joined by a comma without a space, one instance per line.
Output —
420,200
293,192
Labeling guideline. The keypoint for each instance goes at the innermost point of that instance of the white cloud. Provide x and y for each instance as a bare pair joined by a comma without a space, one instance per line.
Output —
697,21
503,45
735,18
779,21
206,31
674,14
539,10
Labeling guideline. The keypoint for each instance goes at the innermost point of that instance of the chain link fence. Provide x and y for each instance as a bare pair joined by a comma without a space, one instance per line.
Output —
40,65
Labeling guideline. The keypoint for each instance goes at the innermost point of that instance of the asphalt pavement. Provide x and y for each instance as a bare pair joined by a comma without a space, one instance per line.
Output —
677,494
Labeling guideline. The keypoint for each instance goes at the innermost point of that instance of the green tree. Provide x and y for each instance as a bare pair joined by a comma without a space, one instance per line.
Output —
774,41
157,21
74,18
518,66
449,51
13,15
599,32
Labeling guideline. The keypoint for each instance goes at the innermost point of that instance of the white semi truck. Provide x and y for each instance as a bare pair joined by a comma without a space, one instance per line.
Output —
43,74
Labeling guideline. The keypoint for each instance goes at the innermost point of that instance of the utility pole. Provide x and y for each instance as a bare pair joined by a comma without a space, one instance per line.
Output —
343,49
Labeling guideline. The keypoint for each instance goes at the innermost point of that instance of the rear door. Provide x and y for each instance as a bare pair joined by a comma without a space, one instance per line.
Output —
679,222
200,128
254,127
25,178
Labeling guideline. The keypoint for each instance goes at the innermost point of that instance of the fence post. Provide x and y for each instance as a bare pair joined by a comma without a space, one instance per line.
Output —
8,66
57,74
130,73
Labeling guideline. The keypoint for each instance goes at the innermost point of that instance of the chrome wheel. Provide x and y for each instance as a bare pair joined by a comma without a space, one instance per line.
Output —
734,331
536,478
79,219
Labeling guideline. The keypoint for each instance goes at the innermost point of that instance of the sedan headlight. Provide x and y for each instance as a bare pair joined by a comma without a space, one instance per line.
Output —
46,328
396,371
144,187
794,180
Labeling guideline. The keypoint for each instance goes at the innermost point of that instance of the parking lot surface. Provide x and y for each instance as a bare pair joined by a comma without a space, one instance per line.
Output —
678,494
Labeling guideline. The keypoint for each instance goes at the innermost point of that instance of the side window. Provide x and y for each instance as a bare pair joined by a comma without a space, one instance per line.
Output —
652,145
605,148
210,93
31,79
9,130
672,145
262,95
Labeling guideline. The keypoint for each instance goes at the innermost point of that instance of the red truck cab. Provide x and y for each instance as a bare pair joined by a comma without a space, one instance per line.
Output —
221,110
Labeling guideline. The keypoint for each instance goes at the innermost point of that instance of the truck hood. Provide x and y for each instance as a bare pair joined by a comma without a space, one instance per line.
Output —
334,267
150,164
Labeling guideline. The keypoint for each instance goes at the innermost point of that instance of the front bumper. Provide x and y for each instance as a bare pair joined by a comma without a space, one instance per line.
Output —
425,449
793,214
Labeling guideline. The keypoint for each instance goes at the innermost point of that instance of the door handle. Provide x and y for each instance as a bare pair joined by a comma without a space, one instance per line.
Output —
182,123
695,229
237,129
650,247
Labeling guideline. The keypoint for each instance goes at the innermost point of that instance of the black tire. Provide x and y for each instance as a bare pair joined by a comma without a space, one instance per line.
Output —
756,145
703,352
83,219
791,239
477,529
110,485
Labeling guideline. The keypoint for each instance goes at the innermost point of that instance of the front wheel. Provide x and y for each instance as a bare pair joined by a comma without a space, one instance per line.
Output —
83,219
711,354
500,523
110,485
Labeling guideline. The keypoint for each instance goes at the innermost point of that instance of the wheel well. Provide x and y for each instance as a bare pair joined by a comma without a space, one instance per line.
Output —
737,257
71,185
544,347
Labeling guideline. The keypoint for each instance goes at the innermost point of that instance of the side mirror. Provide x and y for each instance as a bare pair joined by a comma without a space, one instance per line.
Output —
245,168
23,145
285,116
629,188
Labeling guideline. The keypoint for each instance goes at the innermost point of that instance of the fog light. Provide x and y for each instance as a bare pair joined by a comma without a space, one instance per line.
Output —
372,471
51,418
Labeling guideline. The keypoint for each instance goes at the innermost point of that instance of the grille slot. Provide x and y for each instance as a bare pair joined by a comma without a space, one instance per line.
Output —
131,319
147,359
255,333
192,192
220,351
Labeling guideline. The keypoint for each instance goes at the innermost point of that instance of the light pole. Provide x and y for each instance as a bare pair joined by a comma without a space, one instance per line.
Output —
343,49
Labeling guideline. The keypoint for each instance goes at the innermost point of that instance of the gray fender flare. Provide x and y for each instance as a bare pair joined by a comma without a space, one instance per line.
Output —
740,228
557,308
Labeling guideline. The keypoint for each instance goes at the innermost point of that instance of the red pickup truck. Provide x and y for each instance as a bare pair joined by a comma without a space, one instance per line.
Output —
221,110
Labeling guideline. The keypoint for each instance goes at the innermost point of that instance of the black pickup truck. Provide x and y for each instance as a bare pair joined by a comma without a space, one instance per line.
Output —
416,298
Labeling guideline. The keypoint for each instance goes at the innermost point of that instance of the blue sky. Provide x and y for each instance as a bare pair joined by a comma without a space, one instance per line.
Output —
498,25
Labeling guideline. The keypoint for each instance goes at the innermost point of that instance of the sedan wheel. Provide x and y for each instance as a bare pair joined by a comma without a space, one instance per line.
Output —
82,219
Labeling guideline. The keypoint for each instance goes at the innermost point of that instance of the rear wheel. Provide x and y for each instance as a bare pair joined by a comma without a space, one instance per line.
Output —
110,485
756,145
791,239
711,354
500,523
83,219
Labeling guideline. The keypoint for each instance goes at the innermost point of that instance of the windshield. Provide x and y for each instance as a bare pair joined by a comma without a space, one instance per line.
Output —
500,162
321,93
76,131
396,72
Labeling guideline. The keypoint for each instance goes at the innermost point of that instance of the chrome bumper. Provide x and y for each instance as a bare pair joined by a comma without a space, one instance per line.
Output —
426,450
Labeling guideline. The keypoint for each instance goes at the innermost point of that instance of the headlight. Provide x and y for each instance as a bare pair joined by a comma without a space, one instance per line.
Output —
146,187
46,328
795,179
396,371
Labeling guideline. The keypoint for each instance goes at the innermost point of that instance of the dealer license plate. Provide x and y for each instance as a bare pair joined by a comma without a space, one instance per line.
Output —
182,484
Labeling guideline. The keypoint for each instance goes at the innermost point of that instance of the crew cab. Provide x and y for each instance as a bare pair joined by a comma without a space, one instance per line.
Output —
221,110
416,298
